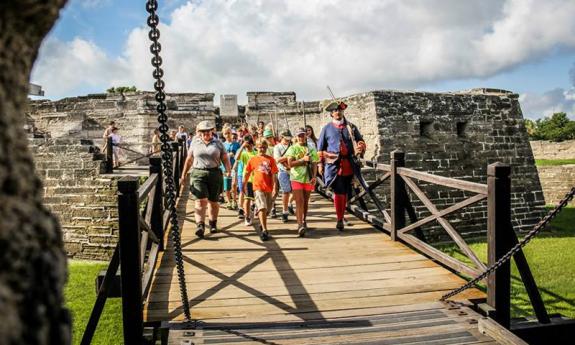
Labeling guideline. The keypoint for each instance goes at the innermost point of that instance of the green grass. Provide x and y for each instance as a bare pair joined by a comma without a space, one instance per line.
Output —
548,162
80,297
551,257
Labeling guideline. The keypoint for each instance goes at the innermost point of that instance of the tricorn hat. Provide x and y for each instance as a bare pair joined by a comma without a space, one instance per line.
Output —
333,106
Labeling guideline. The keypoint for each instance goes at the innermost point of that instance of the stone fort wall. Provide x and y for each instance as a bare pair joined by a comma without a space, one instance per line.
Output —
556,180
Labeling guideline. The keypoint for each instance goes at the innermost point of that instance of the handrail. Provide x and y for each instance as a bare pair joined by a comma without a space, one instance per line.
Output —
444,181
146,187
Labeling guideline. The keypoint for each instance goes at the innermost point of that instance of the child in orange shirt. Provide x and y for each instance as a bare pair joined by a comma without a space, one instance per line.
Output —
264,168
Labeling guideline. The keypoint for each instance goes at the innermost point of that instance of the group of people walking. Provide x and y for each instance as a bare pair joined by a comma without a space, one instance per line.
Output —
252,166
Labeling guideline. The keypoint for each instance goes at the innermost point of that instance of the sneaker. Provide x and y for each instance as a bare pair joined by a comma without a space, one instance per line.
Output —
248,221
200,230
213,227
234,205
284,217
305,225
264,235
301,231
253,208
229,205
241,213
291,210
274,213
346,222
339,226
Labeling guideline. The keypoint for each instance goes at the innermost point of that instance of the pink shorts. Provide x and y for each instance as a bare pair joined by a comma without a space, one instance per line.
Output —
301,186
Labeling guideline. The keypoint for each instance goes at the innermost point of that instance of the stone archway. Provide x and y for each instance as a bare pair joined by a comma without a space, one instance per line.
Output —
32,261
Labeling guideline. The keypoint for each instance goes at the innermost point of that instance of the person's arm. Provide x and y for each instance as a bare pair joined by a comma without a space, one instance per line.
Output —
321,147
361,146
246,178
187,165
226,160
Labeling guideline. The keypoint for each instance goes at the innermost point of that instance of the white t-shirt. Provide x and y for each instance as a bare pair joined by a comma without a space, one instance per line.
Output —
278,150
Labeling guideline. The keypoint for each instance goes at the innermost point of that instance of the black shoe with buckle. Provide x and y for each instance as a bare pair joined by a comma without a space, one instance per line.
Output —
284,217
213,227
264,235
200,230
339,226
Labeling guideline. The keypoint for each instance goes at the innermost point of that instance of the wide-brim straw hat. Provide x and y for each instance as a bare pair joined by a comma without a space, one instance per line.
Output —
204,126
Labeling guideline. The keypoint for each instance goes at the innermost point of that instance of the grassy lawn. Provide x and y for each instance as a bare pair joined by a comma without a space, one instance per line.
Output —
551,257
547,162
80,298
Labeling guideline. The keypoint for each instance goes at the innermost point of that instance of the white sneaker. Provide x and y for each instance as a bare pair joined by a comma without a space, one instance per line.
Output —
248,221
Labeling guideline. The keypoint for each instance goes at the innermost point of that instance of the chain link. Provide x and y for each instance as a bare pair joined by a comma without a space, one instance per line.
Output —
167,157
540,226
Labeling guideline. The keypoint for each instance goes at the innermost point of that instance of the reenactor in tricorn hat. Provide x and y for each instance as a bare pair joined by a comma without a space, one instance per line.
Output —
338,144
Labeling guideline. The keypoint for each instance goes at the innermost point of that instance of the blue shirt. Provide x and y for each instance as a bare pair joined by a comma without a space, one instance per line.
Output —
231,149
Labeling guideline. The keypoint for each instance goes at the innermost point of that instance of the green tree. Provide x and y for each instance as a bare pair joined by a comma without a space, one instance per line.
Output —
122,89
556,128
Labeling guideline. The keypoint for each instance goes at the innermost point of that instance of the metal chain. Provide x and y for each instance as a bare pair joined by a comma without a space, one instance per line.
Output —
167,157
540,226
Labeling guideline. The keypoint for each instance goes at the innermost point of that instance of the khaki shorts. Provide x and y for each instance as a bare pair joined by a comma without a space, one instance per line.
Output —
263,200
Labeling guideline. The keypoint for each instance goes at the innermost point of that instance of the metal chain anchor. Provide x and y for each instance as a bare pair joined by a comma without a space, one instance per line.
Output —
167,157
540,226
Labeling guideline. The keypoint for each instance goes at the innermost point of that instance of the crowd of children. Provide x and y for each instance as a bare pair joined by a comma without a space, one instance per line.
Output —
248,168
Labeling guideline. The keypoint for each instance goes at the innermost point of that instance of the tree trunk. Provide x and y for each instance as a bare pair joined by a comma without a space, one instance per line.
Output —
32,259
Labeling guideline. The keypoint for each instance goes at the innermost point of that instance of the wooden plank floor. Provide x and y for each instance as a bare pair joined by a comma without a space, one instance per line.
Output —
233,277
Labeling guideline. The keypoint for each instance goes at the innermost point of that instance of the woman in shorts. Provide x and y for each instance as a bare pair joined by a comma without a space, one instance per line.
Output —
205,156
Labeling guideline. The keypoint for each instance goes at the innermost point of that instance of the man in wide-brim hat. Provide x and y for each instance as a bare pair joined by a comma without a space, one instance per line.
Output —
338,143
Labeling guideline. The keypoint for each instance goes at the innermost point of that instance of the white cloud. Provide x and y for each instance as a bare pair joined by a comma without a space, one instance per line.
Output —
234,46
64,67
535,106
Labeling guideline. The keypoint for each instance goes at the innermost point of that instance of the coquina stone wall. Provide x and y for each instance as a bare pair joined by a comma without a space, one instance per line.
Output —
134,113
84,200
557,180
449,134
544,149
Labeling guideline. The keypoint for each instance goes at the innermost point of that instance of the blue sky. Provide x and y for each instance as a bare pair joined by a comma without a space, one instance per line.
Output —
235,46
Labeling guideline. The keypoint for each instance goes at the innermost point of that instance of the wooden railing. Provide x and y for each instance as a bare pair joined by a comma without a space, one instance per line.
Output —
179,149
500,234
143,221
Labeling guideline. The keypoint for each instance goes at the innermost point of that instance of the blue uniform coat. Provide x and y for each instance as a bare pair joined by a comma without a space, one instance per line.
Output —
329,140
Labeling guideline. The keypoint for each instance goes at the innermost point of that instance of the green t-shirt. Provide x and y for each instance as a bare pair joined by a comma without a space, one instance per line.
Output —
244,158
300,173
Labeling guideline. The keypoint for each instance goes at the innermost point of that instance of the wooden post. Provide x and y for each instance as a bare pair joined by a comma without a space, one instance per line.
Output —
397,194
176,166
158,205
499,230
132,309
109,156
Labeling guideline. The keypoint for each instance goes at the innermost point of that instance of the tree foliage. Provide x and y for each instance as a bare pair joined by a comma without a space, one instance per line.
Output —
122,89
558,127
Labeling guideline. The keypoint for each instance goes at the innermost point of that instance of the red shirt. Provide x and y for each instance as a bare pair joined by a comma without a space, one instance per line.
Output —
263,167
